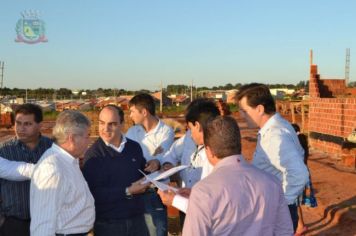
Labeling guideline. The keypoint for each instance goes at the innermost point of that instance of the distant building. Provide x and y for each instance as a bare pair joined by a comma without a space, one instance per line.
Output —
280,93
179,99
214,94
117,101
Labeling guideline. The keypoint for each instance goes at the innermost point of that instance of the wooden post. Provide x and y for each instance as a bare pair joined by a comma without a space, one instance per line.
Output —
292,110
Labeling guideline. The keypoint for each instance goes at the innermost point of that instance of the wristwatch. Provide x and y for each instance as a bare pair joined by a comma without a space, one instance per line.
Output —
127,192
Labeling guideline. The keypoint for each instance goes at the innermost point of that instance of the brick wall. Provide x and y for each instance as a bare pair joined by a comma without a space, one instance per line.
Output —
331,120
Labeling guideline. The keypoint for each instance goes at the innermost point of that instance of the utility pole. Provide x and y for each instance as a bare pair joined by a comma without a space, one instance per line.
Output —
2,73
161,99
2,80
191,92
347,66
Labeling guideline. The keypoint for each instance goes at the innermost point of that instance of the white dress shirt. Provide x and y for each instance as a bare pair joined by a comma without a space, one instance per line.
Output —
161,136
279,153
15,170
120,147
60,200
186,152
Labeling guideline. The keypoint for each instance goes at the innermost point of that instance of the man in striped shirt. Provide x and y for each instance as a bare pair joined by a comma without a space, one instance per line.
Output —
28,145
60,199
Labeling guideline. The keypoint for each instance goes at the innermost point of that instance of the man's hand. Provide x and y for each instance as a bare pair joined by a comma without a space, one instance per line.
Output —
166,197
158,150
137,187
184,192
167,166
152,165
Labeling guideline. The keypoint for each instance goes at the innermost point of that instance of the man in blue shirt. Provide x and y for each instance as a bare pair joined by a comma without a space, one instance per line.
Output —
27,146
278,150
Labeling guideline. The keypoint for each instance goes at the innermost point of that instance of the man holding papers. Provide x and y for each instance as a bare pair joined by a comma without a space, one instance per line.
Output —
112,172
236,198
189,150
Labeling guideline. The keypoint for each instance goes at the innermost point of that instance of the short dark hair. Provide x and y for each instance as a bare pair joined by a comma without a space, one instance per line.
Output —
144,100
257,94
119,111
28,109
222,135
200,109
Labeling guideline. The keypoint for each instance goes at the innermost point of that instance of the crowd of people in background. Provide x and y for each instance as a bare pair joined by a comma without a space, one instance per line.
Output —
44,190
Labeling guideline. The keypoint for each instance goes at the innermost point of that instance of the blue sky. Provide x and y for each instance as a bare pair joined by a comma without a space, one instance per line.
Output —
136,44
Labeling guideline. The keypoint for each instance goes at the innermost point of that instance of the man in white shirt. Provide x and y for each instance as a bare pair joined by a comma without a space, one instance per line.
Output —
155,138
60,200
278,150
189,150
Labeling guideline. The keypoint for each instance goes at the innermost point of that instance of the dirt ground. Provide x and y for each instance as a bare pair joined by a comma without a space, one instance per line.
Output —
335,188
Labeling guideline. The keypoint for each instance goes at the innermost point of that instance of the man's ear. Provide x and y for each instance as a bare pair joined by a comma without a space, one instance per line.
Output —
209,152
198,126
260,109
144,112
70,138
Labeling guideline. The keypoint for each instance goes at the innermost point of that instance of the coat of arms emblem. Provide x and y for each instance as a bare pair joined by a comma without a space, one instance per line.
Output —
30,29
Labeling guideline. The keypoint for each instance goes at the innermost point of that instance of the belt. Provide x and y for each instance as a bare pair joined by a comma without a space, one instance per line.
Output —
80,234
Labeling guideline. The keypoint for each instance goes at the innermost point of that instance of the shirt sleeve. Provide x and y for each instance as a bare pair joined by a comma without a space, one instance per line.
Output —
199,214
285,156
130,133
45,195
181,203
15,170
175,152
166,143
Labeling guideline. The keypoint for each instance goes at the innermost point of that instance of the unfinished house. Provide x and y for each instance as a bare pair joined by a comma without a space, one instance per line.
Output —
332,116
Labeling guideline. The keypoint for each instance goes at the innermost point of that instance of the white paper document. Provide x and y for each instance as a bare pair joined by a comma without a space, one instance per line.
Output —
153,178
157,175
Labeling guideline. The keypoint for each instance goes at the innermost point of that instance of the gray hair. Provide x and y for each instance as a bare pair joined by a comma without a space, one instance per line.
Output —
69,122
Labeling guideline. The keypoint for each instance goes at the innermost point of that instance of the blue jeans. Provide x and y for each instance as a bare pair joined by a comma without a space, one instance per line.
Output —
135,226
155,214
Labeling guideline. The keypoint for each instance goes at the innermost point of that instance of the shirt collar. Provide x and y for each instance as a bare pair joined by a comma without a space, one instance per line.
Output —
226,161
270,122
18,142
65,155
120,147
155,129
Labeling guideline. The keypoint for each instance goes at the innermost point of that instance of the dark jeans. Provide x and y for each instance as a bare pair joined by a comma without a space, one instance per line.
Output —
155,214
181,219
15,227
293,209
135,226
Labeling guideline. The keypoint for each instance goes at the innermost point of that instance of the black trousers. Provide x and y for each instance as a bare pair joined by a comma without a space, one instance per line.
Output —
293,209
15,227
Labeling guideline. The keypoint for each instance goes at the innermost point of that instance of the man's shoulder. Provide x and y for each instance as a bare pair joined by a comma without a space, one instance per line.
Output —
132,144
46,139
95,150
8,143
164,127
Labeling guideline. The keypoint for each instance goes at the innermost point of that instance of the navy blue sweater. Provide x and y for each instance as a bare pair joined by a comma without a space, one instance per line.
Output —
108,173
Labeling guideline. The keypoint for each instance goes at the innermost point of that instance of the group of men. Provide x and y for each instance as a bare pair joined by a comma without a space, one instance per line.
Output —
44,191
